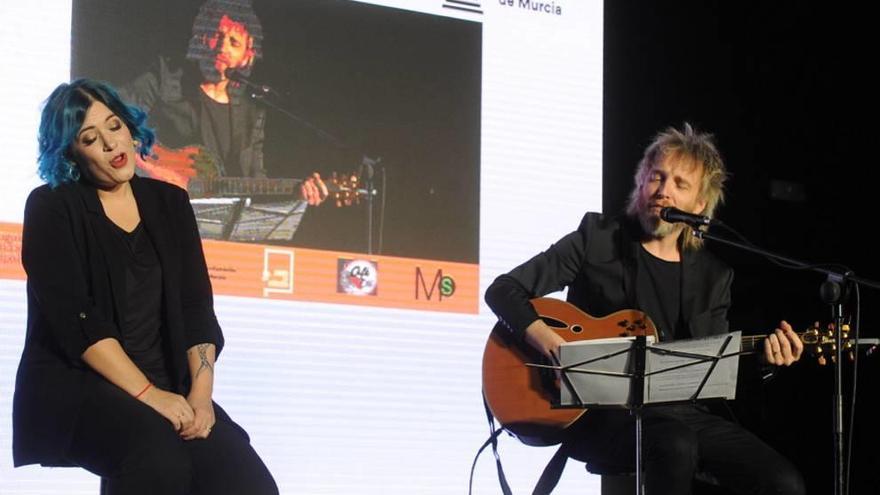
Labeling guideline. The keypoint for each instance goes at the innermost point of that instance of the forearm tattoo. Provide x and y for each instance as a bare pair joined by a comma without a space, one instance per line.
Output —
204,364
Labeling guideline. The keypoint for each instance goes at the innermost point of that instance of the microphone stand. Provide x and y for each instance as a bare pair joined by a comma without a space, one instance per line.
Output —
831,292
262,93
367,172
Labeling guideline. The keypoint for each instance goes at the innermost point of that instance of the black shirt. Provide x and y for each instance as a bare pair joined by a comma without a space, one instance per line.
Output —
225,131
663,281
141,322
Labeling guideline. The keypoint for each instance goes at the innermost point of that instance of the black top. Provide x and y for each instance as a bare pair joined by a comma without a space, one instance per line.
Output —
663,283
222,127
141,322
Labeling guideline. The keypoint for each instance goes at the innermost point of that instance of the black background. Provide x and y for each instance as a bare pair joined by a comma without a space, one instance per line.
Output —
783,87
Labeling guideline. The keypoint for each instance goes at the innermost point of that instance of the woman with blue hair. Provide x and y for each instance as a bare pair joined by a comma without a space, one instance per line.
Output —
117,372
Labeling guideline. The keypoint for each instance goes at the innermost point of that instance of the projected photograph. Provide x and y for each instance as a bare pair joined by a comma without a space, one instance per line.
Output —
252,101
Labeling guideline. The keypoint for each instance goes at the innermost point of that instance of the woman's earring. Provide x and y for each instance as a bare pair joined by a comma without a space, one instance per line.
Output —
72,172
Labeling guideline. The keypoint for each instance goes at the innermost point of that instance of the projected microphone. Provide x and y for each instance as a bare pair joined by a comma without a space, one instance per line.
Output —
674,215
234,75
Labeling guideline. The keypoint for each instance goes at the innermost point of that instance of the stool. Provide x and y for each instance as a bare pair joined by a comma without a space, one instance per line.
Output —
617,481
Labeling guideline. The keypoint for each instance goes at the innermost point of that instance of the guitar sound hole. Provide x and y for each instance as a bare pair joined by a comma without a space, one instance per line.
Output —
553,322
577,329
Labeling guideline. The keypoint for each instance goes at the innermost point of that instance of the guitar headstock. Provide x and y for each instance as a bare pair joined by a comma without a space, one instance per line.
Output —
345,189
822,342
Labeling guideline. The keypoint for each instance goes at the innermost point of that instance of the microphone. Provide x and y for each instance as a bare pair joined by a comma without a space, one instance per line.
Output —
674,215
234,75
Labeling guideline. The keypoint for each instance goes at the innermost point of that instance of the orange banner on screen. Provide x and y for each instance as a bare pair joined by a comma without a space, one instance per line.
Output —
277,272
10,251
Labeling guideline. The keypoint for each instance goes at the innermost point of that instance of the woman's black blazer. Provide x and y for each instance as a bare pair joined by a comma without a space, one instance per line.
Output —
76,290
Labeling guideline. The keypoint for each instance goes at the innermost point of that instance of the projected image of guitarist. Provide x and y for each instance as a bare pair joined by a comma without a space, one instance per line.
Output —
210,126
640,261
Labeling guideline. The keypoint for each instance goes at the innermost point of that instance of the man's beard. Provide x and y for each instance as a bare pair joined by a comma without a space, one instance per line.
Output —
655,227
209,71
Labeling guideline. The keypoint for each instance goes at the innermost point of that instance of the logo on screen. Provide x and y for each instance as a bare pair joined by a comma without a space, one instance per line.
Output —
465,5
442,285
533,5
277,271
357,277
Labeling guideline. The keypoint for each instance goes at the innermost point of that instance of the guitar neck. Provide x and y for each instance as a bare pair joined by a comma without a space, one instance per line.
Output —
751,343
199,187
810,337
183,167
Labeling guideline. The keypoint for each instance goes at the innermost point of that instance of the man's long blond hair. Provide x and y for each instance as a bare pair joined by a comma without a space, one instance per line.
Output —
695,147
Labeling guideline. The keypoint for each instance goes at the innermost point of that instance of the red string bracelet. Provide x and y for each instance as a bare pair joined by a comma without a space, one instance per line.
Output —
138,396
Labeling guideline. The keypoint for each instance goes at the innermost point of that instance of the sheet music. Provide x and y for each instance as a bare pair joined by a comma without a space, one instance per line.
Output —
603,389
681,384
609,356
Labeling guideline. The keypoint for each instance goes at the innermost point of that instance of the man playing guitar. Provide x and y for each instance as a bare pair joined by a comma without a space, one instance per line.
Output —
639,261
205,107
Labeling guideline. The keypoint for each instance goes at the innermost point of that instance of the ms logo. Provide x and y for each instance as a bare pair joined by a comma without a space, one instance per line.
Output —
441,285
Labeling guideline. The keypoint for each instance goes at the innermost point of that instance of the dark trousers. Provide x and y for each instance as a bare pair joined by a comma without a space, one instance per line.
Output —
678,442
137,451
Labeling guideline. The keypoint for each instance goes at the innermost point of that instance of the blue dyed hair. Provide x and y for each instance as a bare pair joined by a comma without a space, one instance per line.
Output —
62,117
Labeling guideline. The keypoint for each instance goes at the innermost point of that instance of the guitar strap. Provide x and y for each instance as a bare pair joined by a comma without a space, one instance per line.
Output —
549,478
552,472
492,440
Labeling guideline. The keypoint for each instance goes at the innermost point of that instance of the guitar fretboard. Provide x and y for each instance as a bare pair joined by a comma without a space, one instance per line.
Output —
237,186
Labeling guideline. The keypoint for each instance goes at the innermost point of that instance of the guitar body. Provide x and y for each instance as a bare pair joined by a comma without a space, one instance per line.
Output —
176,166
520,396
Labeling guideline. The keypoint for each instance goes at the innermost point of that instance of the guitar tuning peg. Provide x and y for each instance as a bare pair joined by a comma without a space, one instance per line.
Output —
811,336
852,357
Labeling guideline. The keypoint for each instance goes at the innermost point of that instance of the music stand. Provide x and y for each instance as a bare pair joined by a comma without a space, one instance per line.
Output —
635,371
241,220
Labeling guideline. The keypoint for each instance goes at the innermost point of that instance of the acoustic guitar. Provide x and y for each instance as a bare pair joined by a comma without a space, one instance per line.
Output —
192,168
521,396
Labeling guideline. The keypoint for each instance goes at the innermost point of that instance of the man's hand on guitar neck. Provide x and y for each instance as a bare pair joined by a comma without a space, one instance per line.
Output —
783,347
540,336
313,190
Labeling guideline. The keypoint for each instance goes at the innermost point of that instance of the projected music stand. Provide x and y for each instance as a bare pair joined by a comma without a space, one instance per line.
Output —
634,371
241,220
